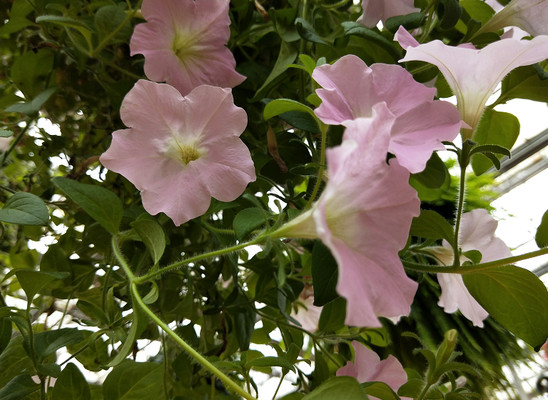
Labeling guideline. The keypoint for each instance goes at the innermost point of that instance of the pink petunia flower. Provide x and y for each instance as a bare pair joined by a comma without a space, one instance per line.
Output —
306,312
181,151
380,10
529,15
421,123
477,233
368,367
363,216
183,42
473,74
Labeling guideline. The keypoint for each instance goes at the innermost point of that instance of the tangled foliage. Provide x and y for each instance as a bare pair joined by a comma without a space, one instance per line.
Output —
90,280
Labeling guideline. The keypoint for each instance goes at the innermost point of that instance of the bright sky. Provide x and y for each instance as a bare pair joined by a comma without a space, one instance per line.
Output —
520,211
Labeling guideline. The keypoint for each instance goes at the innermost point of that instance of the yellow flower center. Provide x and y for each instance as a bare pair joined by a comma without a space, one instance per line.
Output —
183,46
188,154
184,153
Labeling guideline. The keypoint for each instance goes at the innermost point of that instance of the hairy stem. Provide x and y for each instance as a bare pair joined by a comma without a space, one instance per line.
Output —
320,169
460,206
465,269
185,346
141,279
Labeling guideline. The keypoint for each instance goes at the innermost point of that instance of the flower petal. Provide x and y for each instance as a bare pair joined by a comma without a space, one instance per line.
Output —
368,367
477,232
183,42
475,80
181,151
380,10
455,296
421,123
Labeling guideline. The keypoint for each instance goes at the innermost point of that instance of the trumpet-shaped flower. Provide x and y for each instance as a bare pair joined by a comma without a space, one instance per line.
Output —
368,367
477,233
529,15
363,216
181,151
421,123
183,42
380,10
473,74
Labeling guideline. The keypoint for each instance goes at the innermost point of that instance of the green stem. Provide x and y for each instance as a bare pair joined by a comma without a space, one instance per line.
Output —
14,143
65,310
121,259
315,338
423,392
141,279
460,206
107,38
278,387
42,388
335,5
321,169
166,367
197,356
214,229
465,269
122,70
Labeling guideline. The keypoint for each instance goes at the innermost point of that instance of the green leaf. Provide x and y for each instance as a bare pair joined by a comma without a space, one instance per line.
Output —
293,396
244,326
152,294
307,31
284,23
357,29
134,381
18,17
14,361
333,315
516,298
100,203
107,19
435,173
25,209
473,255
491,148
33,106
301,120
324,274
31,70
34,281
340,388
497,128
247,220
280,106
152,235
5,134
138,325
5,333
48,342
449,13
412,388
308,62
431,225
18,388
71,384
380,390
287,55
270,362
69,23
409,21
477,10
542,232
529,82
